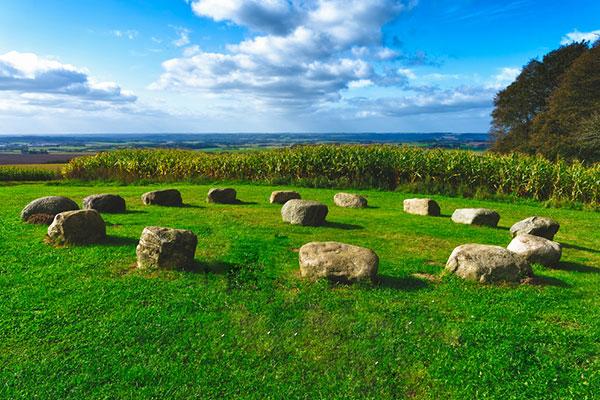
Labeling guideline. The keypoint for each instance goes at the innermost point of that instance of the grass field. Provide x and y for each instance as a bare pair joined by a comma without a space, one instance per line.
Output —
81,322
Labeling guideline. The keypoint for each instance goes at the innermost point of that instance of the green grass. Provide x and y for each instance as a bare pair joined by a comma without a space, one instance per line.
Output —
81,322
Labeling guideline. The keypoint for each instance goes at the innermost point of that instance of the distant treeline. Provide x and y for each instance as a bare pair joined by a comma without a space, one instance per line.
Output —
374,166
553,107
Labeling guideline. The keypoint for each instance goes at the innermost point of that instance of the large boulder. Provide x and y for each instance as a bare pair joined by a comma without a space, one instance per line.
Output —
222,196
538,226
337,262
536,249
476,216
422,207
349,200
166,197
77,227
105,203
487,264
283,196
304,212
50,205
166,248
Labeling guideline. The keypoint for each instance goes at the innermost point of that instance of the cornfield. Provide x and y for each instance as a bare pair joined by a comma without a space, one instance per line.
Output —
375,166
27,173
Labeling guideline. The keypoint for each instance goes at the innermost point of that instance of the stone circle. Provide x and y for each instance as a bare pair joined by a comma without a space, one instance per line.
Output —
166,248
166,197
105,203
283,196
50,205
538,226
222,196
422,207
487,264
337,261
536,249
476,216
77,227
349,200
304,212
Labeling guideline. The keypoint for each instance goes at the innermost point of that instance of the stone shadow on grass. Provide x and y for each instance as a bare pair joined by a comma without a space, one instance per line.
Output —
340,225
186,205
541,280
582,248
407,283
213,267
576,267
132,212
112,240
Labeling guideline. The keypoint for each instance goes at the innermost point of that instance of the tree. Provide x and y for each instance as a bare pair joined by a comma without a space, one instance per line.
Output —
521,102
570,110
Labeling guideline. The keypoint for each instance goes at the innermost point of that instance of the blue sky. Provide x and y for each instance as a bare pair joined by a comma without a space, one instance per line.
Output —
70,66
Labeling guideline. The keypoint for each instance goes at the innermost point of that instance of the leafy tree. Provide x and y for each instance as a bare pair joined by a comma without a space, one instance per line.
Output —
570,110
517,106
589,139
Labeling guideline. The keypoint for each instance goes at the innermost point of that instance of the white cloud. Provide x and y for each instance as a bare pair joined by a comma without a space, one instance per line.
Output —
129,33
183,36
41,79
505,77
305,54
577,36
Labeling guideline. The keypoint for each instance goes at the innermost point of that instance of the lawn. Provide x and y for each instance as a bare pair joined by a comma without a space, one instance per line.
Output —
82,322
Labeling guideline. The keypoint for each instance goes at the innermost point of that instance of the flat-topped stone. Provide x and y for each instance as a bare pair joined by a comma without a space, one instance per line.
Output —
422,207
166,197
349,200
166,248
50,205
538,226
77,227
337,261
222,196
536,249
476,216
487,264
304,212
283,196
105,203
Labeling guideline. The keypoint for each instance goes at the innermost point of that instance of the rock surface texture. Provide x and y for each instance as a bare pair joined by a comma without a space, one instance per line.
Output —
105,203
167,197
50,205
77,227
283,196
337,262
538,226
166,248
476,216
536,249
422,207
487,264
304,212
349,200
222,196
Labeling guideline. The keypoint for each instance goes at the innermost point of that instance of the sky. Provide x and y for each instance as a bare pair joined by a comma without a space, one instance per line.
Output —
149,66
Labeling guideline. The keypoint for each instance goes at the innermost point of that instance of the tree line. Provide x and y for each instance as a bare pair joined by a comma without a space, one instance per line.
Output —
553,106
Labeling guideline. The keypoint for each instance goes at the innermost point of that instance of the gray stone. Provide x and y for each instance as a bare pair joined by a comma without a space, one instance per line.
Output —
304,212
337,261
349,200
476,216
283,196
536,249
538,226
50,205
105,203
77,227
422,207
166,248
487,264
167,197
222,196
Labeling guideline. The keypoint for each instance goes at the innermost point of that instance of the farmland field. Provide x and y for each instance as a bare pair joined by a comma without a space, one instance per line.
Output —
82,322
